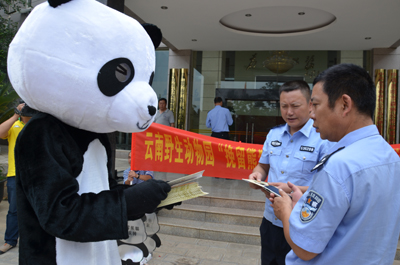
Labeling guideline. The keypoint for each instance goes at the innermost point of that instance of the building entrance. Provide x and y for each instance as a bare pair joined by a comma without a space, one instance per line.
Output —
254,113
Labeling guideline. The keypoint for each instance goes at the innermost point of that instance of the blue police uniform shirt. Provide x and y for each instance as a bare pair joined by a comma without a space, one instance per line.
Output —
291,158
219,119
140,172
350,213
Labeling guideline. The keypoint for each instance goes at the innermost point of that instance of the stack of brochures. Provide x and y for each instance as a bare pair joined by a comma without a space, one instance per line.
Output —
183,189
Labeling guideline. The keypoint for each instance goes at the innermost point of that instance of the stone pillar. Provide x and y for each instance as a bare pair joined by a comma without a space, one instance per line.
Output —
354,57
213,71
180,60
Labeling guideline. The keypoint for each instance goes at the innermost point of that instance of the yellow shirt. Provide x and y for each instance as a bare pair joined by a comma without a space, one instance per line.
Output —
12,138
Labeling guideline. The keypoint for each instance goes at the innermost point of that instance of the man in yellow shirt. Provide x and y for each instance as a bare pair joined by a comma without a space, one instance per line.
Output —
9,130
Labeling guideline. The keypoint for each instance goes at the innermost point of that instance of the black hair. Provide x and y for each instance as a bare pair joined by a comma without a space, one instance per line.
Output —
27,111
351,80
296,85
217,99
162,99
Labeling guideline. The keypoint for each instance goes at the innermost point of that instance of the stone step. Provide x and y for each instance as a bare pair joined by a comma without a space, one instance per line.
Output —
224,215
227,203
215,218
210,231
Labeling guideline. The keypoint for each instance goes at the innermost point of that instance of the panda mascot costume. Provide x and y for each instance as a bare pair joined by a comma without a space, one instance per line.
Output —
88,69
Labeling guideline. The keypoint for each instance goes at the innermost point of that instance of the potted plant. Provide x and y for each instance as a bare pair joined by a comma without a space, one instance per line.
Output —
3,179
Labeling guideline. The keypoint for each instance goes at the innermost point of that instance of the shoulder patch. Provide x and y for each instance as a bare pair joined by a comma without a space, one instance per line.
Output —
311,207
276,143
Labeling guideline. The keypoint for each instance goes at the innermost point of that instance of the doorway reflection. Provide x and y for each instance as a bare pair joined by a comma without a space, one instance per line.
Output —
252,119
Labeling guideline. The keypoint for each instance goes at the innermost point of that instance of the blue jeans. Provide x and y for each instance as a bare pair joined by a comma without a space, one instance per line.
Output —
11,236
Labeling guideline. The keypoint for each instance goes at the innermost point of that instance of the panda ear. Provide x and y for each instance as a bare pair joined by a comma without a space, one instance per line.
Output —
55,3
154,33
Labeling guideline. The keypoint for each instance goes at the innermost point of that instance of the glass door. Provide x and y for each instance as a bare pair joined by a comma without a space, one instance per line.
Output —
252,119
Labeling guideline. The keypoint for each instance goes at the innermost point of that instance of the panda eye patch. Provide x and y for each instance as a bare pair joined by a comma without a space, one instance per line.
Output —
115,75
151,79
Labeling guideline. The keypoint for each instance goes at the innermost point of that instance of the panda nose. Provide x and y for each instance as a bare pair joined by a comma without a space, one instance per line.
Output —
152,110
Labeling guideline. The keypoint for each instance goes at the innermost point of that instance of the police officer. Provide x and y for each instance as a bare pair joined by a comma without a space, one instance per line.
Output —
350,213
289,154
219,119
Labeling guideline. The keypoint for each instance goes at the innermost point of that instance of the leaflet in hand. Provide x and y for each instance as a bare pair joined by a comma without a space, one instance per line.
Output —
184,188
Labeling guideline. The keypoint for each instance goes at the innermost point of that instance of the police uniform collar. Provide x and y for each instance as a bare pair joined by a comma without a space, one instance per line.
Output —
305,130
347,140
355,136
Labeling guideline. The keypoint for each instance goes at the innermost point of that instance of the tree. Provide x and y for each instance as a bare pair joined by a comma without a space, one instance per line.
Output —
8,29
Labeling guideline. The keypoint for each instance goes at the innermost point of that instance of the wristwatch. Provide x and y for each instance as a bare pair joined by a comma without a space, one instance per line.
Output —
138,176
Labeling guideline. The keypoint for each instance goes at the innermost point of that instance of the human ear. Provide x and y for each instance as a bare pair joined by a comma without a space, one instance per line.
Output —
347,104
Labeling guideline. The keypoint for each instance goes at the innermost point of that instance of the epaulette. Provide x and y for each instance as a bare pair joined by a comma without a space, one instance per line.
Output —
324,159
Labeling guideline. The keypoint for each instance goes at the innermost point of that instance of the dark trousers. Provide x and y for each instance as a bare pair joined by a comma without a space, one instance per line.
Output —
273,244
11,235
221,135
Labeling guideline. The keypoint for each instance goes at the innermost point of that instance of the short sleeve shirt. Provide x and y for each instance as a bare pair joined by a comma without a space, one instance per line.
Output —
165,118
141,172
219,119
350,213
12,138
291,158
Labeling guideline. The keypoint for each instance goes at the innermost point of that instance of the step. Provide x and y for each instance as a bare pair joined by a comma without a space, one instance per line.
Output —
227,203
210,231
213,214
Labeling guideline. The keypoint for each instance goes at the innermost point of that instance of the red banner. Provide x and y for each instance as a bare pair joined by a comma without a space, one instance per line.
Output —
396,148
166,149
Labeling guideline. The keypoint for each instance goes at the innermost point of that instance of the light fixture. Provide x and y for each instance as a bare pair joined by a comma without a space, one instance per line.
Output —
194,39
367,38
279,62
248,15
301,13
164,7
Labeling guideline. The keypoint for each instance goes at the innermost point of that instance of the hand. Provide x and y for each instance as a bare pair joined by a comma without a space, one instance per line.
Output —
18,109
281,185
296,194
145,198
282,205
169,207
20,106
132,174
255,176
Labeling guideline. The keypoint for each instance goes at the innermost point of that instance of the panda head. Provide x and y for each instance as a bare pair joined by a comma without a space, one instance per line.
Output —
86,64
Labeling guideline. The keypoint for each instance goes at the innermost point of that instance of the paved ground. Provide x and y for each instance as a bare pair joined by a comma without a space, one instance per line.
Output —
173,251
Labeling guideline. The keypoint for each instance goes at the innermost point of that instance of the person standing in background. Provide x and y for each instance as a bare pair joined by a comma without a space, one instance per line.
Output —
164,116
9,130
219,119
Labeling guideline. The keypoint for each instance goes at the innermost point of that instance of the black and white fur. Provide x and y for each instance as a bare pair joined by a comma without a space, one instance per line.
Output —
88,69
